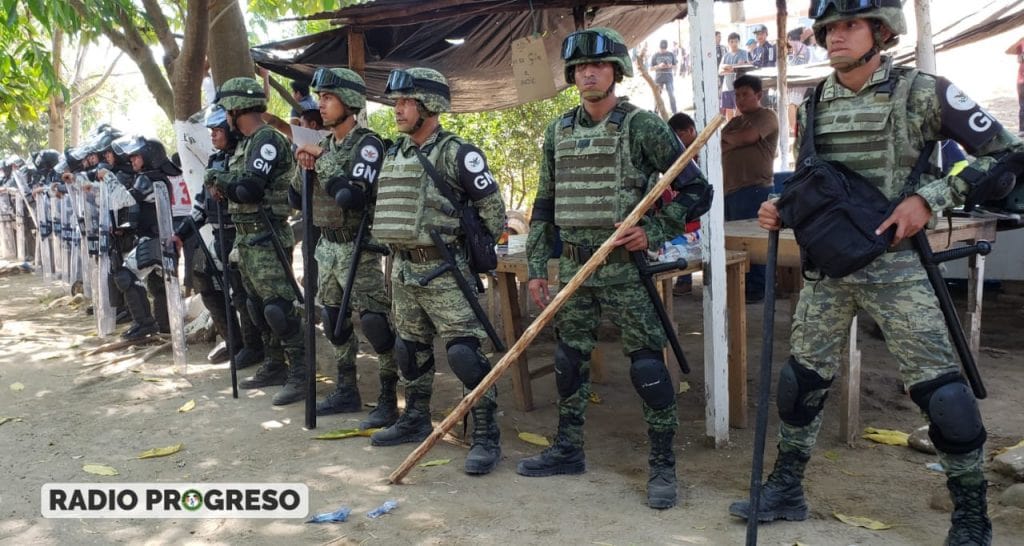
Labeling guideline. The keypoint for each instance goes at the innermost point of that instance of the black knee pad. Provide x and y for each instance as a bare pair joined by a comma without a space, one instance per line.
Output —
377,331
406,359
801,394
466,361
116,297
281,318
330,316
955,421
568,370
650,379
255,309
123,279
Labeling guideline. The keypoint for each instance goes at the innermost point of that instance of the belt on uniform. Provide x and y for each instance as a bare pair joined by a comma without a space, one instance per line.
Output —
249,228
420,254
581,253
337,235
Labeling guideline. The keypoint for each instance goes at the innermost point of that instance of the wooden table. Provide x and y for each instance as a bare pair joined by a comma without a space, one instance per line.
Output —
512,269
747,236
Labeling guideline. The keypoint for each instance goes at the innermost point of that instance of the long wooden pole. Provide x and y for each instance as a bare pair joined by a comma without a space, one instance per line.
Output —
549,312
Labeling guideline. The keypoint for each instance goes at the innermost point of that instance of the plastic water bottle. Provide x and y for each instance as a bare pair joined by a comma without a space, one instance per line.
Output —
382,509
691,252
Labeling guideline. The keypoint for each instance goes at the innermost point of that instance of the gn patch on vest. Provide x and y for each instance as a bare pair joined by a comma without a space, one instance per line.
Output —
367,161
963,120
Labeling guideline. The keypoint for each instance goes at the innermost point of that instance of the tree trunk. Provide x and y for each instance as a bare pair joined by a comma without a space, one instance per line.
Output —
187,77
229,42
55,129
659,104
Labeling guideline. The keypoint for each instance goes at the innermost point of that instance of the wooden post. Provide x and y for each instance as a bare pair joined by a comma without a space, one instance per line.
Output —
781,87
716,348
556,303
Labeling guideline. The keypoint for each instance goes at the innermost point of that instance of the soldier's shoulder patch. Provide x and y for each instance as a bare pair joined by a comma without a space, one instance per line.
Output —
474,174
963,119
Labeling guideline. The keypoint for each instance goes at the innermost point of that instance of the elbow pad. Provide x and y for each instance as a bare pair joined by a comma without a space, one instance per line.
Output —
142,189
543,210
347,195
294,198
246,191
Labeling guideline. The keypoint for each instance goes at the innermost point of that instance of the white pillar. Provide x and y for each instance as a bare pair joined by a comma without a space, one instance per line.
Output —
716,352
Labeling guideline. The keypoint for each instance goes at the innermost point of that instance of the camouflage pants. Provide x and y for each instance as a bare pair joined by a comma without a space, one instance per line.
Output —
629,308
423,313
367,296
264,279
915,334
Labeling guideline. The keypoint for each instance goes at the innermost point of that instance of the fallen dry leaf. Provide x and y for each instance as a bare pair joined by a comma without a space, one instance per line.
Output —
435,462
858,521
153,379
1001,450
16,387
535,439
160,451
100,469
345,433
595,398
885,436
684,386
187,406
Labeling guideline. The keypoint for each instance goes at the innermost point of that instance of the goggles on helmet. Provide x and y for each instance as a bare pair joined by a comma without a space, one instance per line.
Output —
216,116
400,81
847,7
323,78
588,43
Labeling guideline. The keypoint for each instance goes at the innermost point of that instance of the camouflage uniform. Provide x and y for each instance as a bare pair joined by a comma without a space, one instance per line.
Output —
593,173
357,157
258,178
409,207
880,132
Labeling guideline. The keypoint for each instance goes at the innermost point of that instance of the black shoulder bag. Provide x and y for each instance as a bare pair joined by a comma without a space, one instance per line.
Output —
834,211
479,242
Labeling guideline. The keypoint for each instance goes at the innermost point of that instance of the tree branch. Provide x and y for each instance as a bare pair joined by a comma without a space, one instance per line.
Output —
161,28
96,87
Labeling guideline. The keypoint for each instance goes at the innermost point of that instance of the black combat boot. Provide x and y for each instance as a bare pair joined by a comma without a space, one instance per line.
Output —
143,323
270,373
413,426
219,353
247,357
345,398
295,388
386,412
661,482
485,452
564,456
782,496
971,525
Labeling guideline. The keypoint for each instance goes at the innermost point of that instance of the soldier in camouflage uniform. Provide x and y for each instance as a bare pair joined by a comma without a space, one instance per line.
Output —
875,118
409,206
347,165
598,162
259,175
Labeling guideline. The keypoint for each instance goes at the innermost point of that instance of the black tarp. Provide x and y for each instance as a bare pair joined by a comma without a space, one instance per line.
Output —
479,70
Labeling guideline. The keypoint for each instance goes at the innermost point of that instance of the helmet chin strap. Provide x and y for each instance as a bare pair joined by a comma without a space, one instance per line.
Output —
845,64
346,114
597,96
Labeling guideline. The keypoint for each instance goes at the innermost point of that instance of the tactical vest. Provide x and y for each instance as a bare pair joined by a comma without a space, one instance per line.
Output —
336,160
275,198
596,184
408,203
869,133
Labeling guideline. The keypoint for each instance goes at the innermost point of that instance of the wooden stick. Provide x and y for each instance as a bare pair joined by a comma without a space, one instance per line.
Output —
121,344
549,312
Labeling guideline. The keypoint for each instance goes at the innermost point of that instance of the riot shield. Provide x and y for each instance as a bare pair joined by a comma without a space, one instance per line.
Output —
45,233
175,304
24,209
81,236
57,248
105,314
69,241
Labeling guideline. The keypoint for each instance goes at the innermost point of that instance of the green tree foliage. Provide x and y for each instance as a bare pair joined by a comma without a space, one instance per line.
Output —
511,138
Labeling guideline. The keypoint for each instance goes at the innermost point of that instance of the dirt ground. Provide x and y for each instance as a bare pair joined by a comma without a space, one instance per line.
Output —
76,410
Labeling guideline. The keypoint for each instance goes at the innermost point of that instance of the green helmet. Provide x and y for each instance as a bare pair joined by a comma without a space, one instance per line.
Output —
423,84
595,45
241,93
888,12
342,83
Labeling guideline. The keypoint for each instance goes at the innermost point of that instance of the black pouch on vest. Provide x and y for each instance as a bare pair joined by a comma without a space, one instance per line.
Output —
834,211
479,242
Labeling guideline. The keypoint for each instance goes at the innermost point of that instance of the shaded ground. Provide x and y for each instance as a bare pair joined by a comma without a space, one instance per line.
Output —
76,410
